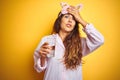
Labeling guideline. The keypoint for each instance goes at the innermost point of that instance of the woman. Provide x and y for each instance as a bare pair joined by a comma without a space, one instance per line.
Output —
69,46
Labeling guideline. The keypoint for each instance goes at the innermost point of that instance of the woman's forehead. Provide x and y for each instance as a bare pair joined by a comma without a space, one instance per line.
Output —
68,14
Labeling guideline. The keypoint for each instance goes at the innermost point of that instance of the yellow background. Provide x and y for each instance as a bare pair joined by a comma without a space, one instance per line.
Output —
24,22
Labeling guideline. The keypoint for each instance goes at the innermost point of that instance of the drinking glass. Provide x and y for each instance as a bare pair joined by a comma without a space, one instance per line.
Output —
51,42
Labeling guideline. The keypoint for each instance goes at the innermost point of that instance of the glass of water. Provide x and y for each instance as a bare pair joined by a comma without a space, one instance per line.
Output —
51,42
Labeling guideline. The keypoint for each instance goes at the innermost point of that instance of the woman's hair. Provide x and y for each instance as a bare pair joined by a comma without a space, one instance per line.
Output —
72,43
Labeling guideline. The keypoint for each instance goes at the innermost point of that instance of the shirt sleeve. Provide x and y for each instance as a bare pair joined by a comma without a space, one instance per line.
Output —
37,60
93,40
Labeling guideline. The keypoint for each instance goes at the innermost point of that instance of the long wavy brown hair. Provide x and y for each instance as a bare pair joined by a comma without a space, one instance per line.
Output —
72,43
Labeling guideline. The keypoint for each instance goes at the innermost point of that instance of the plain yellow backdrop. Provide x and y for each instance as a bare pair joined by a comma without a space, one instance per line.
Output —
25,22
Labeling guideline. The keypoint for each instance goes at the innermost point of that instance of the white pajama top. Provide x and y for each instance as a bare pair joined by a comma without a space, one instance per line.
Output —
54,67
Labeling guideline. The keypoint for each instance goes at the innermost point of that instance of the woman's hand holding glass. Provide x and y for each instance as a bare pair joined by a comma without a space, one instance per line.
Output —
44,50
48,48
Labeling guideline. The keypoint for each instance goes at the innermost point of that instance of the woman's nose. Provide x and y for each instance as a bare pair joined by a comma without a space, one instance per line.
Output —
70,20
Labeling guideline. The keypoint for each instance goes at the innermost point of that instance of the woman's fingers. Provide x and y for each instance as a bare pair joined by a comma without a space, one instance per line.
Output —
44,50
46,46
43,55
75,12
72,9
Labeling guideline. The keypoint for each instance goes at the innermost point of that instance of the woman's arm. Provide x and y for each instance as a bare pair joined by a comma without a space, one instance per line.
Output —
40,63
93,40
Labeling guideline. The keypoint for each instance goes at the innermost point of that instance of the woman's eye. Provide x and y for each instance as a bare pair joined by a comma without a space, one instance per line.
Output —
66,16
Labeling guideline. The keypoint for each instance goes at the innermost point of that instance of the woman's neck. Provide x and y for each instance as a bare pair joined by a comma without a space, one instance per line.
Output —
63,35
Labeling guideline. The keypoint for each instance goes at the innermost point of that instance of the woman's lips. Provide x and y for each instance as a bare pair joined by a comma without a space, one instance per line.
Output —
68,25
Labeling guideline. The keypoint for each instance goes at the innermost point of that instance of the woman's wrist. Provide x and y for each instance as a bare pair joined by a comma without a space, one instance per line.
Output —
42,61
82,22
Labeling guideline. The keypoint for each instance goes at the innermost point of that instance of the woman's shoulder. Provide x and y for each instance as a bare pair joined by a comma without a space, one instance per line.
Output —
49,36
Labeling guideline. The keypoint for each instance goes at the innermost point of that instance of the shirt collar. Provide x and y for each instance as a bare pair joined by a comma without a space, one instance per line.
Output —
59,40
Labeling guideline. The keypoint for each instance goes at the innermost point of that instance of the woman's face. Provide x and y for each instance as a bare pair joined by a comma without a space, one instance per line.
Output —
67,23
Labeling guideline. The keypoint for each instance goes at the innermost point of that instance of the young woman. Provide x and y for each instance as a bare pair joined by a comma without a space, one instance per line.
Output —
69,48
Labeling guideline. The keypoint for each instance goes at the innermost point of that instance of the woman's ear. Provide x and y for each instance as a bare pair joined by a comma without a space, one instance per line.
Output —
63,4
79,6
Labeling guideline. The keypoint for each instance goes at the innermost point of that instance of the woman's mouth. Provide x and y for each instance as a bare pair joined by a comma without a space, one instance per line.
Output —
68,25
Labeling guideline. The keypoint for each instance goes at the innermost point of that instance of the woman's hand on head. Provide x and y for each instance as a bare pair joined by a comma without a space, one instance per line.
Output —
75,12
44,50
